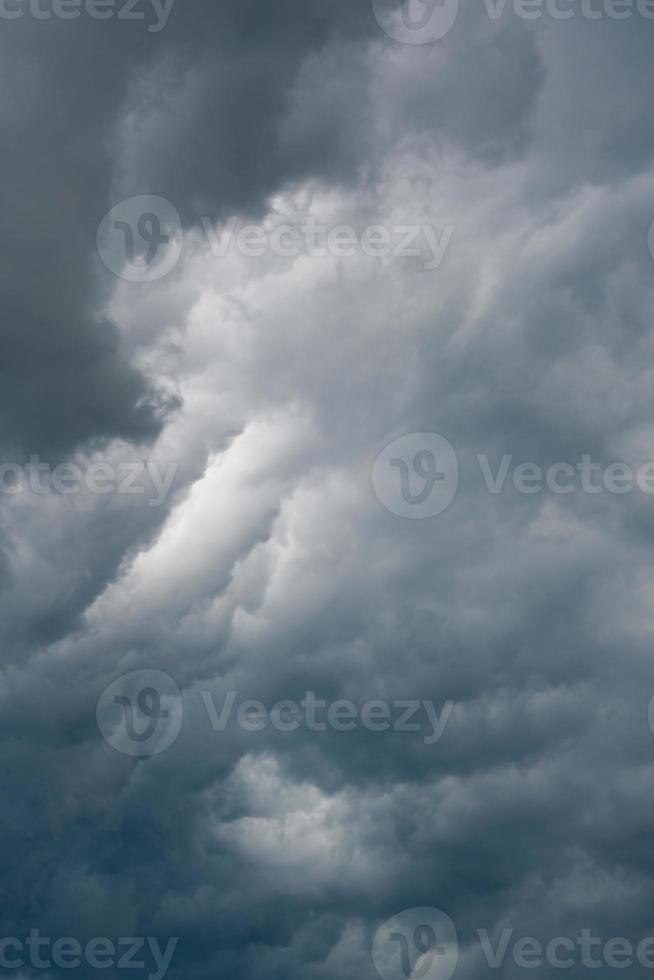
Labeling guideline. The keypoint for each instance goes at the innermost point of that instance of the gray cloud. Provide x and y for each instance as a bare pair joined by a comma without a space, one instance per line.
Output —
272,569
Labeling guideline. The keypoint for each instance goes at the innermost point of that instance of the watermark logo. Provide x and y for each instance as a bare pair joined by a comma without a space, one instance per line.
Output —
140,239
417,944
417,475
426,21
141,713
421,944
416,21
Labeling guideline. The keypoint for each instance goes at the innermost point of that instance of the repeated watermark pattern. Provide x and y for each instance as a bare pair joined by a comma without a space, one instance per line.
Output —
99,953
426,21
141,239
138,478
141,714
417,476
155,14
422,944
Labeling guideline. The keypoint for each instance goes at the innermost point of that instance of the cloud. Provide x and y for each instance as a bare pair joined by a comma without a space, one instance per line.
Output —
272,383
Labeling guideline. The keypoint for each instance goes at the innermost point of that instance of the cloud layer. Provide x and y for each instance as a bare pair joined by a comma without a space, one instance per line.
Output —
271,569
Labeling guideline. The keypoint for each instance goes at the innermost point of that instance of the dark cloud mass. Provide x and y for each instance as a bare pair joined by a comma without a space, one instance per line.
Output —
250,396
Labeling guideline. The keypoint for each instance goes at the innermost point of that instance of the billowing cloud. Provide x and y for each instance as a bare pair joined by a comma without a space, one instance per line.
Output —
491,282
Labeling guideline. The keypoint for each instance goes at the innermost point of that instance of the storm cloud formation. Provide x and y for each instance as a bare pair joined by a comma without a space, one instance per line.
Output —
271,383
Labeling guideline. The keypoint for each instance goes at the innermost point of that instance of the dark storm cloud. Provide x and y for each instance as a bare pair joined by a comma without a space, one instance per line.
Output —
64,377
213,90
272,569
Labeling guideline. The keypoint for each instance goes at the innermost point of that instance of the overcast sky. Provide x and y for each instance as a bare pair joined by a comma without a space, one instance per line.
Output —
327,368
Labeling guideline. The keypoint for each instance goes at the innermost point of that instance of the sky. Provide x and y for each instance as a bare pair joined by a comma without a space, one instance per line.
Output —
326,489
